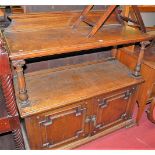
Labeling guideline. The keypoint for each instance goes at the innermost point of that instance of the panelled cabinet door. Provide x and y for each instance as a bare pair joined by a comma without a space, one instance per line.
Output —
63,126
111,109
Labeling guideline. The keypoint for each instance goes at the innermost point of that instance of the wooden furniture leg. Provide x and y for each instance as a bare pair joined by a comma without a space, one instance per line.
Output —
23,97
150,111
8,91
141,105
140,59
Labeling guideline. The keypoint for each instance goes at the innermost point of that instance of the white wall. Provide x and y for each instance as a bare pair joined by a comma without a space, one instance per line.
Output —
149,18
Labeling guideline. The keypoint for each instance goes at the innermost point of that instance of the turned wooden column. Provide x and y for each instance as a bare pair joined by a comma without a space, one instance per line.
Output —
8,91
23,97
137,70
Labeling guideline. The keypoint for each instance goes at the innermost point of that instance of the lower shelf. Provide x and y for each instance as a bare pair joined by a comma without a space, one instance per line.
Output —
49,89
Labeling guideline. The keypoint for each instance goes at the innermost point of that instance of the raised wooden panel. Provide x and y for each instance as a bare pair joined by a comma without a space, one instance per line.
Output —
112,108
80,121
55,128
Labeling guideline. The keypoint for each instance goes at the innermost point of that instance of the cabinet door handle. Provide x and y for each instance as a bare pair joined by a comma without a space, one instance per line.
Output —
79,111
103,104
48,145
46,122
93,119
88,119
127,95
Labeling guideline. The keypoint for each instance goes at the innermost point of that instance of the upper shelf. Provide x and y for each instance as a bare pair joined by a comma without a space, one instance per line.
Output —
36,38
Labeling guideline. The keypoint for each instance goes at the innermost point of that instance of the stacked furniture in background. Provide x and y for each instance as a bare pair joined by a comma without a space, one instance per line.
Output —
129,56
147,89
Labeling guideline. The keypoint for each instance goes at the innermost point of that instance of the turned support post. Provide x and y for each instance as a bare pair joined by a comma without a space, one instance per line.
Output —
137,70
23,97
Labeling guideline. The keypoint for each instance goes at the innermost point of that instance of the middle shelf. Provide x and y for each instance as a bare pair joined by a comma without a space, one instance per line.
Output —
53,88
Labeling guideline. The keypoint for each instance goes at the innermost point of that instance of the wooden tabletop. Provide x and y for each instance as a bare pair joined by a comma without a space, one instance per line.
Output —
54,88
38,41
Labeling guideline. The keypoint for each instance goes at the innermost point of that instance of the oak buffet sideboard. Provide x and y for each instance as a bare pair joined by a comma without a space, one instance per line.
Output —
68,106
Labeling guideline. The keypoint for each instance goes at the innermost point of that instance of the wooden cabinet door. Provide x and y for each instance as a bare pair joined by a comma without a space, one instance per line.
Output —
111,109
58,127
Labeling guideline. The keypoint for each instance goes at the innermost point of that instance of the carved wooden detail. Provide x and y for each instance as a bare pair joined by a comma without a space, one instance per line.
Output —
23,97
8,91
140,59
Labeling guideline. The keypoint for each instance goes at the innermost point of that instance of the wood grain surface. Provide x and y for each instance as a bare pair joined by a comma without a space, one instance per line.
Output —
28,38
49,89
